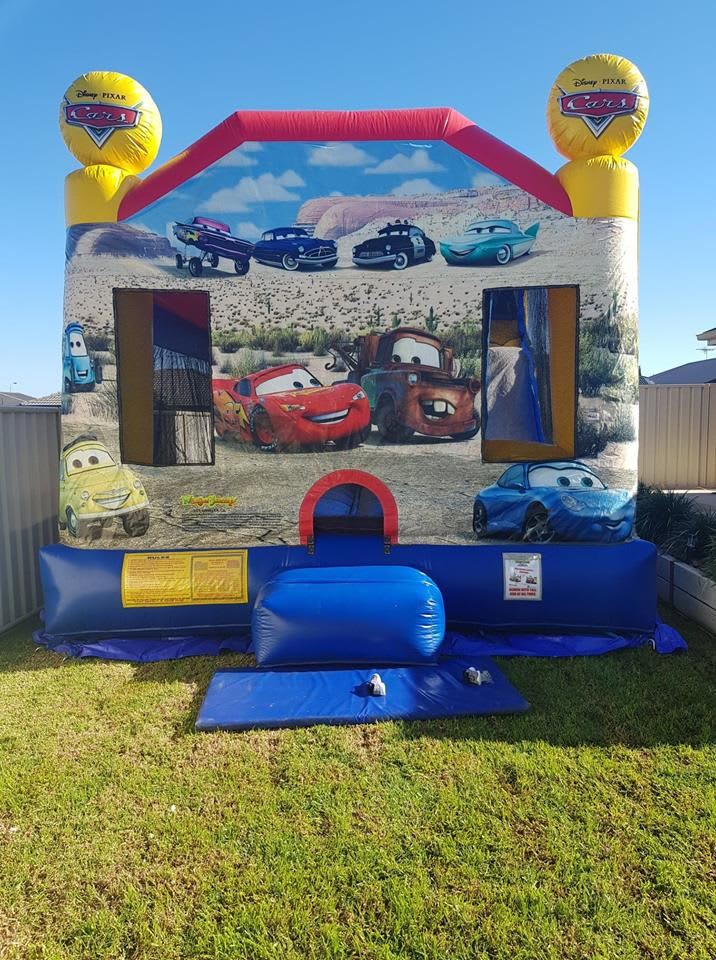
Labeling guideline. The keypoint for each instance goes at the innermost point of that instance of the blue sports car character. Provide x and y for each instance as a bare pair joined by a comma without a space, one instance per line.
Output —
292,247
554,499
489,241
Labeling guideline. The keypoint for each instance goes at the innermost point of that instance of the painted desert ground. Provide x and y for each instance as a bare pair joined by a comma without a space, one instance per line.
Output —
434,482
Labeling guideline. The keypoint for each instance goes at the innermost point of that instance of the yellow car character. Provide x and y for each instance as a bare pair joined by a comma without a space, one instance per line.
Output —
95,489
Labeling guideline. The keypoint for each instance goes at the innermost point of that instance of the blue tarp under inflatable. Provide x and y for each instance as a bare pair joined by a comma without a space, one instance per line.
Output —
144,649
664,639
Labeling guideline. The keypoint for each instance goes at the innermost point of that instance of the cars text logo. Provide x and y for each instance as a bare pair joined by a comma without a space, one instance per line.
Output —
599,107
100,120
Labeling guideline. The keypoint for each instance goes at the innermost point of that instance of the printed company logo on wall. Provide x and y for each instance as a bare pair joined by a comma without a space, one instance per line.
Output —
100,120
209,502
599,107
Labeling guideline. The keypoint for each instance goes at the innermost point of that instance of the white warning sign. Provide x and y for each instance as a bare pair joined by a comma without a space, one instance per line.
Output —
522,574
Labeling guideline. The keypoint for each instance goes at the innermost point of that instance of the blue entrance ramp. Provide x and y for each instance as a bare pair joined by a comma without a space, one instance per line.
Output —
256,698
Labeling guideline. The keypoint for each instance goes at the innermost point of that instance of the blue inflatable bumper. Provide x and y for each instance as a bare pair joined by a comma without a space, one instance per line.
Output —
586,588
348,615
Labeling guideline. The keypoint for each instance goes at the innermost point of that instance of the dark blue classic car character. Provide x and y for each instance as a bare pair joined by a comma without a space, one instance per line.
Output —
554,499
292,247
397,245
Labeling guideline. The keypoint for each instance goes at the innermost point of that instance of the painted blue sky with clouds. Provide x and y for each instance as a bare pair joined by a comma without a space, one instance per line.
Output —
494,64
263,185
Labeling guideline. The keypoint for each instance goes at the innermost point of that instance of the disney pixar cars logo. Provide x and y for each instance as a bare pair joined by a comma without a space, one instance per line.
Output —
100,120
599,107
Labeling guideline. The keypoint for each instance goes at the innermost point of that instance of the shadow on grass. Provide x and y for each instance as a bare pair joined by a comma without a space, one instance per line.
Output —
631,698
196,671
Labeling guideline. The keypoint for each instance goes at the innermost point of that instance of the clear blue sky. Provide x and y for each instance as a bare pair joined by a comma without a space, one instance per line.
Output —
494,63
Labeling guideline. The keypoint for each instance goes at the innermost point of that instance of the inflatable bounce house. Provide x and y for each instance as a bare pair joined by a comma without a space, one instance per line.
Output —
335,381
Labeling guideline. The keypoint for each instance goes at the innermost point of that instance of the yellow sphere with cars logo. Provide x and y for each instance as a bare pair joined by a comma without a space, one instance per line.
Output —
597,107
109,118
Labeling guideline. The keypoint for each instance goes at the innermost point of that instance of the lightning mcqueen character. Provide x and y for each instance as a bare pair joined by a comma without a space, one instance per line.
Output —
286,406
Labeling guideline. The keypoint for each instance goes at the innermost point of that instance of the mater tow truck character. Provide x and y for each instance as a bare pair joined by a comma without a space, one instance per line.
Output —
407,375
79,370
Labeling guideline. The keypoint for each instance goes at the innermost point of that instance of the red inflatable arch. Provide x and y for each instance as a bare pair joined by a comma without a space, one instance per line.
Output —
340,478
432,123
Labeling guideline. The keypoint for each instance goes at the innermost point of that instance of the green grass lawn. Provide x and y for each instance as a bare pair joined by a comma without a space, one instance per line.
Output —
583,829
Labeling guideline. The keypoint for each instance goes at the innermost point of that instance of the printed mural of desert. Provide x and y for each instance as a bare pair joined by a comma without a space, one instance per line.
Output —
271,316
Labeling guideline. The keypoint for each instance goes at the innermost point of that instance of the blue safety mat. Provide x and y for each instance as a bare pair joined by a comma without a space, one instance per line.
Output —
257,698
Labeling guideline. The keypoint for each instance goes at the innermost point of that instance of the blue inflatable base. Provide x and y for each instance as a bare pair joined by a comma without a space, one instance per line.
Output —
261,698
586,588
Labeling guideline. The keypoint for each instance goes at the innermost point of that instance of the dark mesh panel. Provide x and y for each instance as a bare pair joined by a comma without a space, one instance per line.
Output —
183,419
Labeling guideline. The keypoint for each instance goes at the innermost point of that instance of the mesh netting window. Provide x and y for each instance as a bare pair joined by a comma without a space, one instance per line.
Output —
164,377
183,419
348,508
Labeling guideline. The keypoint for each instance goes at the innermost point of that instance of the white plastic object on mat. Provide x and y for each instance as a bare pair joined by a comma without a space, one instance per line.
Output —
478,677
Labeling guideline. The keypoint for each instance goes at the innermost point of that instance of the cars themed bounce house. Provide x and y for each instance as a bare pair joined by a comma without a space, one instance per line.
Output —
358,389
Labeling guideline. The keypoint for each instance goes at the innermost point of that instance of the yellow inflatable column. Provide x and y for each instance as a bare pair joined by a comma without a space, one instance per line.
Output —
597,109
113,128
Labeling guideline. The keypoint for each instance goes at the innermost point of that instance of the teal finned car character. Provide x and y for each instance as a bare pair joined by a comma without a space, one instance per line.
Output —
79,370
489,241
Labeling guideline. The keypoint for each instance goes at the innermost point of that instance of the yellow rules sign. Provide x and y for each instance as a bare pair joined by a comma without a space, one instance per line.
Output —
184,578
